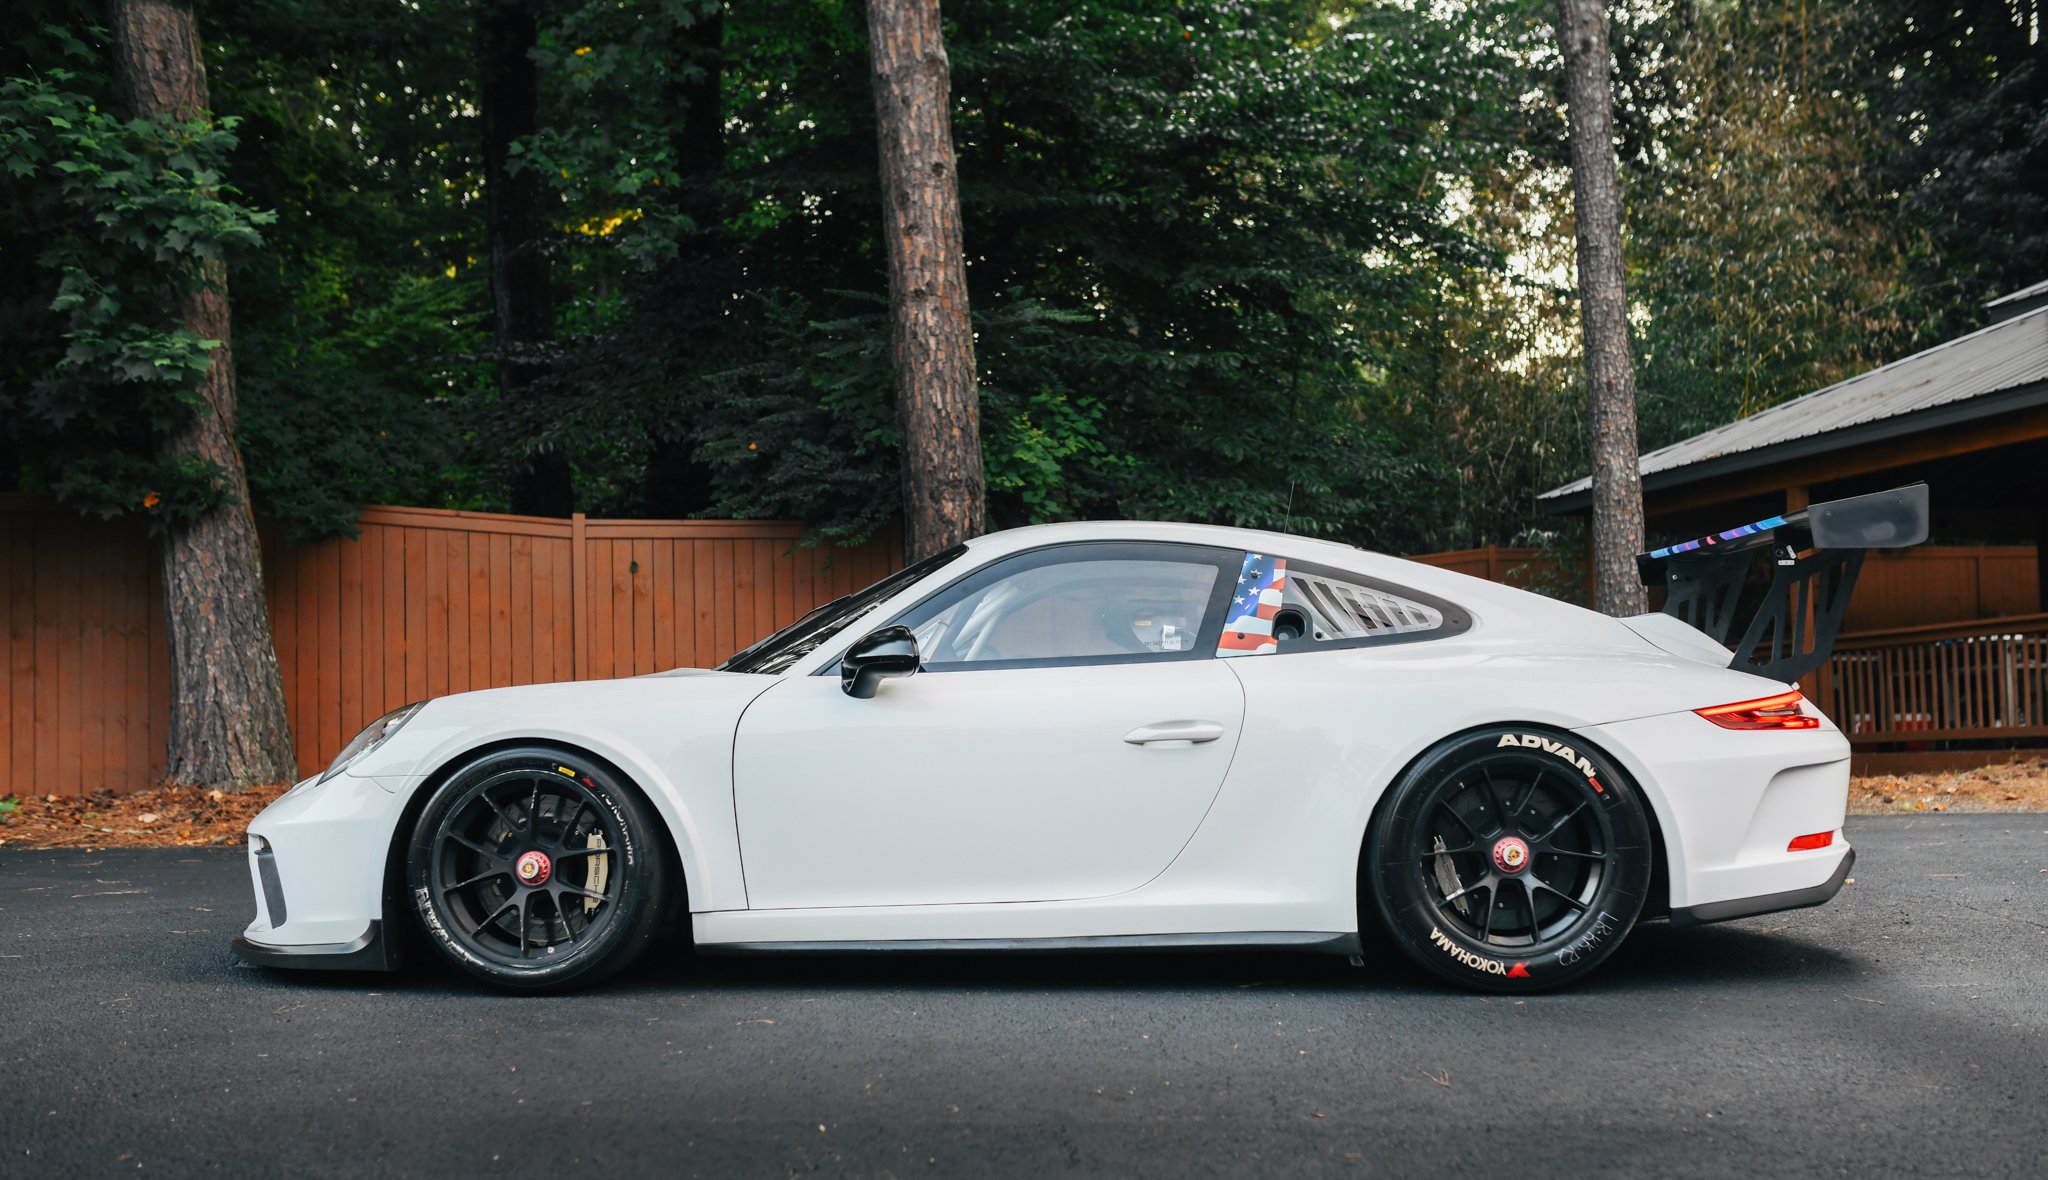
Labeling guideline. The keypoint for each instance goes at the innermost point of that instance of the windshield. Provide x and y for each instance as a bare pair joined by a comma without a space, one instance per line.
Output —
776,653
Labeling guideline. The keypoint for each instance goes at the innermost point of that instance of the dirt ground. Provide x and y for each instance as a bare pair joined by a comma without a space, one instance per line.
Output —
186,817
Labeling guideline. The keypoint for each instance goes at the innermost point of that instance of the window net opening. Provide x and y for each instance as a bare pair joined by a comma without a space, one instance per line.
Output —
1344,610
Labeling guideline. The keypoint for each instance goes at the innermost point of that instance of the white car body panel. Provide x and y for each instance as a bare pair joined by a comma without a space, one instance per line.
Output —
803,816
670,734
963,787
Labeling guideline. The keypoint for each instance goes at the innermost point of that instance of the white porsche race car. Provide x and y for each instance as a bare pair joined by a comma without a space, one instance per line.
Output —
1118,735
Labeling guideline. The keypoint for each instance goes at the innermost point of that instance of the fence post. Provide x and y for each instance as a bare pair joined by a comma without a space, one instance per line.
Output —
579,594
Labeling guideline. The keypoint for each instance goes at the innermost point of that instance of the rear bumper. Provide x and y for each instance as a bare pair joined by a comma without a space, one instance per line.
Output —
1769,903
1729,806
369,952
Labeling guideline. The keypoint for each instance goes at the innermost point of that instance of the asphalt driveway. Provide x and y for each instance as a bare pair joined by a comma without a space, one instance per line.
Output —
1897,1031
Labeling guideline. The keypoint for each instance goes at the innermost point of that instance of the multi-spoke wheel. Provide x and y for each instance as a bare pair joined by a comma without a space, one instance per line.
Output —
1511,859
536,871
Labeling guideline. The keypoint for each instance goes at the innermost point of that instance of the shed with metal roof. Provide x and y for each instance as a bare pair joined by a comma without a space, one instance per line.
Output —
1969,416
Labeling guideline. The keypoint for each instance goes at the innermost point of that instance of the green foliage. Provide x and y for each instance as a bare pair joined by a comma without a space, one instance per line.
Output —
1961,89
1769,263
1192,240
359,327
1296,264
128,218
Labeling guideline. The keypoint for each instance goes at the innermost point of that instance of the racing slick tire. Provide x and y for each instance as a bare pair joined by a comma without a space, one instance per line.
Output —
1510,859
534,870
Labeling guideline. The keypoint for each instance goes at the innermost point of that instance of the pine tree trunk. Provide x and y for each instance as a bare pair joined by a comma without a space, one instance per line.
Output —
515,211
938,410
1603,302
228,722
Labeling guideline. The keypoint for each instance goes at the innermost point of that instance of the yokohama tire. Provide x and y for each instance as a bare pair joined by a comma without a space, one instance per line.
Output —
535,870
1510,859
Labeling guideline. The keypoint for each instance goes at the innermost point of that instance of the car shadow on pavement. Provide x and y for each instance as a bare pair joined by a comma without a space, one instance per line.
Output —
1657,954
1654,956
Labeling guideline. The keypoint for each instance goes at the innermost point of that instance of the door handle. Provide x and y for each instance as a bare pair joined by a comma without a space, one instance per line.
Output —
1170,734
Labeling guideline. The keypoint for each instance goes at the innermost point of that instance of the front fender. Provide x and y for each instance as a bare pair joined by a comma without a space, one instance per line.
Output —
669,736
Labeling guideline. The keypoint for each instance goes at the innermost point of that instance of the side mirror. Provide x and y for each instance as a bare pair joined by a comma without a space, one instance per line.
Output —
876,657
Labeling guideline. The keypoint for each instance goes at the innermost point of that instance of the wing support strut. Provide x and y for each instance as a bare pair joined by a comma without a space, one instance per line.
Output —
1793,630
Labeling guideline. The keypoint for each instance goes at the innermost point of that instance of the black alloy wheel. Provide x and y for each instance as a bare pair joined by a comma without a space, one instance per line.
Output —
535,871
1511,859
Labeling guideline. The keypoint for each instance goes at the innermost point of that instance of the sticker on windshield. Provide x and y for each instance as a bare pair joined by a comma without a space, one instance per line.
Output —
1248,628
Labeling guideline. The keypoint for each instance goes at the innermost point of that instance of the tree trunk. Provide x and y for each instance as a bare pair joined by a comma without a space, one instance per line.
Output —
938,410
228,723
515,209
1610,377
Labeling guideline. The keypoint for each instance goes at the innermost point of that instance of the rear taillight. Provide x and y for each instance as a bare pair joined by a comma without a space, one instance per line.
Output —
1778,712
1808,843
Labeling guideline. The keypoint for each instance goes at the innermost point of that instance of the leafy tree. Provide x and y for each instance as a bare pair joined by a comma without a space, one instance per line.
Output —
1193,245
363,325
1962,88
103,372
1294,264
122,396
1773,262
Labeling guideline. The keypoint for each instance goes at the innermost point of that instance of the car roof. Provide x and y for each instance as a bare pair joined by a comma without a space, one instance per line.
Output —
1462,588
1040,535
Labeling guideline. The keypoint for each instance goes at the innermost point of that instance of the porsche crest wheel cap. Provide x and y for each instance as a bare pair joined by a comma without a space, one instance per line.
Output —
1510,855
533,868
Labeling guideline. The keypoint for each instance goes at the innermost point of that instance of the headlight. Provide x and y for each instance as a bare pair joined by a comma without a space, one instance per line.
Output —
373,735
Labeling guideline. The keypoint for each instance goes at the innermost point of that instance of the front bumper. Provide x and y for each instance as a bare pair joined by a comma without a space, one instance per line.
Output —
371,952
317,868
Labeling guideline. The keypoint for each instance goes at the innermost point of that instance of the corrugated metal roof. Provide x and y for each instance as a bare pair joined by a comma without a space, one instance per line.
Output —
2005,356
2020,296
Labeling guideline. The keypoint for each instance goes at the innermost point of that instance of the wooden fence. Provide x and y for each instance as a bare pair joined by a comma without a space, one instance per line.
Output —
430,602
1984,680
1526,568
1944,583
424,603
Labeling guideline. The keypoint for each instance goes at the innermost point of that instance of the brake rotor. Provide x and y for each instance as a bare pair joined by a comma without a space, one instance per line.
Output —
1447,877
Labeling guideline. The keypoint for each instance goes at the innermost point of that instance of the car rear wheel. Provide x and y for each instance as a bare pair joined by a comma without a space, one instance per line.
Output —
1511,859
535,871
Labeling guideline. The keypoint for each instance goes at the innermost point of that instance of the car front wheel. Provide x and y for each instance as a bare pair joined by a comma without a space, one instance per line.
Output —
1511,859
535,871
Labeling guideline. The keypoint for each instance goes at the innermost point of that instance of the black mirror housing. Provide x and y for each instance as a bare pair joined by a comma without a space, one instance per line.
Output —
878,656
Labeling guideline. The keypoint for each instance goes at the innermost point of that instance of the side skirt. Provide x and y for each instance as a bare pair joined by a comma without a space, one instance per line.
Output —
1315,941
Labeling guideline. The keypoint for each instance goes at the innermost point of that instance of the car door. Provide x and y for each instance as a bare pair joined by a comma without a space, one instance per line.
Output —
1063,739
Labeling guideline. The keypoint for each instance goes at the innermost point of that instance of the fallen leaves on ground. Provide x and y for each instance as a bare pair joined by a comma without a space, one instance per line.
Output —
168,817
2009,786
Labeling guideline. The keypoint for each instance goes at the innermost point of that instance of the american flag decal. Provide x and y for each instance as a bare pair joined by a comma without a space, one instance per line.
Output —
1248,627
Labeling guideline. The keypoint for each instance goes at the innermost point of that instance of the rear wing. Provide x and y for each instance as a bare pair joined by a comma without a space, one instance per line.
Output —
1794,628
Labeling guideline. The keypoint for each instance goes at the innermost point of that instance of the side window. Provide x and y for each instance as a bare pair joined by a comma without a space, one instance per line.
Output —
1096,603
1276,607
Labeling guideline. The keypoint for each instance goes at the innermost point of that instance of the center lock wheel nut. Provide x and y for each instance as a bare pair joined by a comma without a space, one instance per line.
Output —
1511,854
533,868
